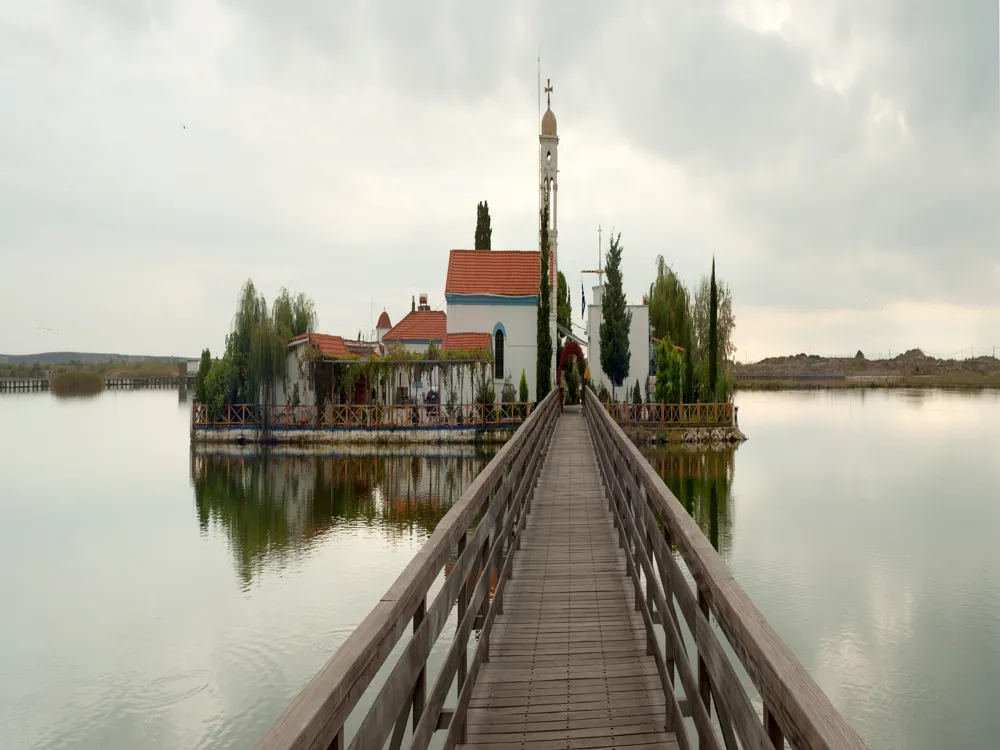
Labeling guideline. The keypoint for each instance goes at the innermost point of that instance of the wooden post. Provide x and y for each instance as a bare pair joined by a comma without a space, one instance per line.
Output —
420,688
704,686
463,605
773,730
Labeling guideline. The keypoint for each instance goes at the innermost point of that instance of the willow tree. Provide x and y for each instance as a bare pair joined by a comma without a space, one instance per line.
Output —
293,315
257,346
670,314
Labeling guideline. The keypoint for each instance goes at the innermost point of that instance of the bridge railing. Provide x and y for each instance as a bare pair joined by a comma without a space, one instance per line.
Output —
651,522
362,416
485,526
672,415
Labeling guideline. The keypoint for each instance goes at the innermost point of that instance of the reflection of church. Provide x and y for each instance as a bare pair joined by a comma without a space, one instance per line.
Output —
271,507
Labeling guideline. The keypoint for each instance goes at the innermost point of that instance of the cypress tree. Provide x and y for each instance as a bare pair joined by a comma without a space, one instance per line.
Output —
616,319
713,334
484,234
543,379
200,392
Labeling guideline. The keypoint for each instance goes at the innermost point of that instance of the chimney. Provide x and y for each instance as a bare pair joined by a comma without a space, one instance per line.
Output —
424,307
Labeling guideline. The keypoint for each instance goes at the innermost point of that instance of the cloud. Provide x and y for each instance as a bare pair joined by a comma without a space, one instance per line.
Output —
831,158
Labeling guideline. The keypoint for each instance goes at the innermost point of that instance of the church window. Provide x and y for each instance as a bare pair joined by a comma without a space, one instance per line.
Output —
498,355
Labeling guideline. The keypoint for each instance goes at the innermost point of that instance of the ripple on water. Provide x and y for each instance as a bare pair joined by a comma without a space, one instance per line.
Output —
171,689
329,643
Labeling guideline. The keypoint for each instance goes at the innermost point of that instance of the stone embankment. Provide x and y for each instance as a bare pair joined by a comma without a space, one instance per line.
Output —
700,436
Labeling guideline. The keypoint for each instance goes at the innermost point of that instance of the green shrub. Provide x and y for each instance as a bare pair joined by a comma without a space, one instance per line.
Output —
77,382
669,374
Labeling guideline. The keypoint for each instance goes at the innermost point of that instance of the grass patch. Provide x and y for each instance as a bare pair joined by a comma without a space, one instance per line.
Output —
74,382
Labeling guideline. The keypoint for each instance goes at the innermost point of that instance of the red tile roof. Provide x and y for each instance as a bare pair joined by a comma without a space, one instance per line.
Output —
419,325
467,341
331,346
507,273
363,348
383,321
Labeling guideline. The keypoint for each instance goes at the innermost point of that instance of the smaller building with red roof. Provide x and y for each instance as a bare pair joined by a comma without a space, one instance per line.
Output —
496,292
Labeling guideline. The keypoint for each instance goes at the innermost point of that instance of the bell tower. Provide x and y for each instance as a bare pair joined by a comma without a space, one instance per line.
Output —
548,194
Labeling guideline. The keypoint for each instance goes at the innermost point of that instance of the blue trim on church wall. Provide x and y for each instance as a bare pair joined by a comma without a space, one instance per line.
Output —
490,299
500,327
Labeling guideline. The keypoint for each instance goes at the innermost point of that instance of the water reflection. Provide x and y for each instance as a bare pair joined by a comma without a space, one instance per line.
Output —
702,480
274,506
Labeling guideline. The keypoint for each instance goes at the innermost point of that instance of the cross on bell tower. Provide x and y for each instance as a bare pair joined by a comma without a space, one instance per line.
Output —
548,195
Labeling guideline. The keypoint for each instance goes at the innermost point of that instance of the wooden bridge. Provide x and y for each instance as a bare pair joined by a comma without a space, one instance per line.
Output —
603,619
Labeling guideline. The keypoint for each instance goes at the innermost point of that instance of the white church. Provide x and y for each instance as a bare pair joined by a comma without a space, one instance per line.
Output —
495,292
492,303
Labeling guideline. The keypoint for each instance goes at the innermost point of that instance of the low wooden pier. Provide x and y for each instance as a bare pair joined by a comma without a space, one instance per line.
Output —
10,385
43,383
605,619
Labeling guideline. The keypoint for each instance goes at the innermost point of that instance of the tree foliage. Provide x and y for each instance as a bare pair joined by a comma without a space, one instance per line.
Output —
726,321
616,319
564,307
220,386
522,388
670,313
637,393
669,374
255,360
200,394
293,316
573,381
543,375
713,333
669,307
484,234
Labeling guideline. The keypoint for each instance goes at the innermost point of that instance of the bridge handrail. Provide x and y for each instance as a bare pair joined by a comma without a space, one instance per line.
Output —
496,502
795,708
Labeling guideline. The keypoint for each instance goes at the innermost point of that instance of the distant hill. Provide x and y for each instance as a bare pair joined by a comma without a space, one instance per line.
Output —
88,358
909,363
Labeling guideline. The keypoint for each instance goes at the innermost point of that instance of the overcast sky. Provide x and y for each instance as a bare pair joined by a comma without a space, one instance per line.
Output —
840,159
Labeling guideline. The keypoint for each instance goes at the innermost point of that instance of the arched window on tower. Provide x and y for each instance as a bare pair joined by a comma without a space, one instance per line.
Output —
498,355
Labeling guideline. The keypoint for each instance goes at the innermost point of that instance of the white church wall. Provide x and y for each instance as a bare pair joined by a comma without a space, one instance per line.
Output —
295,374
638,342
520,336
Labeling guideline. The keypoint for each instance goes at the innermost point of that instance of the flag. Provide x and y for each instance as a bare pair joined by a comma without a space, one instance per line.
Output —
583,302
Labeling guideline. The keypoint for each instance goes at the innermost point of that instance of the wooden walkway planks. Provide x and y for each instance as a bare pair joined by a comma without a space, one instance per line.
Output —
568,667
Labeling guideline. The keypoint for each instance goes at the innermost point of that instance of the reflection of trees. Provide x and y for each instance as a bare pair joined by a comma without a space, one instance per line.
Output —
702,481
275,507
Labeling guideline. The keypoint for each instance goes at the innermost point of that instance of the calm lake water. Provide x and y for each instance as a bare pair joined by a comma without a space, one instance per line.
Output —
155,598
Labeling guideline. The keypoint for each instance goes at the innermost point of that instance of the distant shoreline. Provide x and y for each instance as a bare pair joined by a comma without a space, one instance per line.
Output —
953,381
912,369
